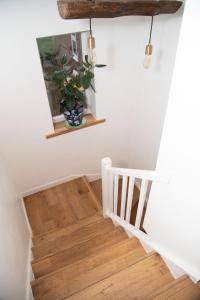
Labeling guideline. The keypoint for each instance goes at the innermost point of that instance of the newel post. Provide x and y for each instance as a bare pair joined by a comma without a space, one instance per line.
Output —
106,164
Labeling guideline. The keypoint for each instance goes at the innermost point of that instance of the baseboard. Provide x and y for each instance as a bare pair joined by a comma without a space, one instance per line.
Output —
174,269
93,177
26,217
146,247
90,177
30,276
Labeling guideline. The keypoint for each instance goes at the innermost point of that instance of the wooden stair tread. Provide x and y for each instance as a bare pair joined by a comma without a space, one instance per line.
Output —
136,281
56,233
180,289
70,255
97,188
80,255
88,271
60,206
93,195
64,241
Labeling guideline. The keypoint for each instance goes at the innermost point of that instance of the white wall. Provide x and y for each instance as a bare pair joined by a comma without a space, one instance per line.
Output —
132,99
173,210
14,241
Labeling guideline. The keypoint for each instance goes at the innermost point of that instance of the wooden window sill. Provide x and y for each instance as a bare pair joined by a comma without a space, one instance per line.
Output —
59,128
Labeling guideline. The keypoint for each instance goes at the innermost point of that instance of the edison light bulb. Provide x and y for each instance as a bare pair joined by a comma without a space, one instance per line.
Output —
147,61
92,56
92,51
148,56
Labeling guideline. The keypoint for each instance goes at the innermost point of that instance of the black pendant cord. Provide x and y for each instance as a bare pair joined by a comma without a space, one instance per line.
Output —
90,27
151,30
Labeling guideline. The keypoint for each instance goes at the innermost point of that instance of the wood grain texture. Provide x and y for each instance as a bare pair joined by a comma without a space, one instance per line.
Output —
77,237
84,9
59,128
59,206
81,255
97,188
93,195
136,281
180,289
82,250
55,234
88,271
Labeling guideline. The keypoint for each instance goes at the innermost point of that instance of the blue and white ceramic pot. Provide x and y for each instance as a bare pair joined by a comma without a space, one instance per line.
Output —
74,117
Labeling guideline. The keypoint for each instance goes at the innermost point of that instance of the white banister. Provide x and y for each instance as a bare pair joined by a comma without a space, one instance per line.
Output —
106,165
123,196
141,203
110,196
110,189
130,198
116,188
141,174
111,186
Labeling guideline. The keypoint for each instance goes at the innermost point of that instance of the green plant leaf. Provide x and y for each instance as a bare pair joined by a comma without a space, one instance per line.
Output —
70,103
64,59
86,59
86,65
48,79
90,74
59,75
85,80
92,87
100,66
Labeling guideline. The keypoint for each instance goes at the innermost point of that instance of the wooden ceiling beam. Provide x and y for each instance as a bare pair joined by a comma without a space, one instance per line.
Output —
84,9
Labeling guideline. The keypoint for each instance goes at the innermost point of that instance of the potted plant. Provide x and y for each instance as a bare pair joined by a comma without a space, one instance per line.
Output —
71,81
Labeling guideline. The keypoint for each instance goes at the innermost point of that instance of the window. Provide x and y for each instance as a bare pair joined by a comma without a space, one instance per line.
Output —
75,46
51,50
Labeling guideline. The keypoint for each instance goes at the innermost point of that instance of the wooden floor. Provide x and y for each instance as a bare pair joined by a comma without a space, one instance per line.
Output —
60,206
77,254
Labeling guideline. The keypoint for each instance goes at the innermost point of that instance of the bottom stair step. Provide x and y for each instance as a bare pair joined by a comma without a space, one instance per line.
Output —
135,282
68,256
88,271
180,289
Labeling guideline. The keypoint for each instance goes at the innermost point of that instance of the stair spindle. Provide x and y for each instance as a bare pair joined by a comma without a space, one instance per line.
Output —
123,198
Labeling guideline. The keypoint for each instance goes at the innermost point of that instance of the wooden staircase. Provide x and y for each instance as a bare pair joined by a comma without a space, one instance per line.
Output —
77,254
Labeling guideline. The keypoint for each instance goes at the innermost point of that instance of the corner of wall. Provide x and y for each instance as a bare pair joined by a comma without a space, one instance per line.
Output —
30,276
174,269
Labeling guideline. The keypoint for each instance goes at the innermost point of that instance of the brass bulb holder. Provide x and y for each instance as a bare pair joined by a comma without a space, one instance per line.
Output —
91,42
149,49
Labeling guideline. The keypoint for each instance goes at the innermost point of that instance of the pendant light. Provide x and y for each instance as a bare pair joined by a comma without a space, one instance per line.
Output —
91,46
149,49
